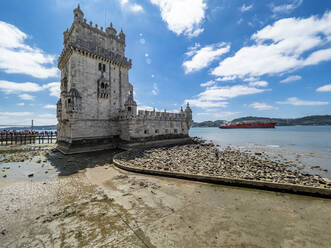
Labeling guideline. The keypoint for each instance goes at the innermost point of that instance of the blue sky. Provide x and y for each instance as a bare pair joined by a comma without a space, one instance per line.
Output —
227,58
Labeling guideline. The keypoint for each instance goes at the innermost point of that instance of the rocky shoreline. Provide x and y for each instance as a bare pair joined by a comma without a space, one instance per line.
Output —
203,158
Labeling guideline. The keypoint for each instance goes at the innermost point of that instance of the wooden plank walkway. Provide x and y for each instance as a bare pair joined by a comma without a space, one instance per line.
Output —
22,138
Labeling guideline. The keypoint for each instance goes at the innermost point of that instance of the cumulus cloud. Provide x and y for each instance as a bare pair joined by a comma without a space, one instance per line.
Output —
18,57
324,88
50,106
206,84
297,102
291,79
20,104
132,7
17,88
245,8
217,96
26,97
259,84
146,107
18,114
206,104
283,46
201,57
261,106
184,16
54,88
219,115
286,8
227,78
217,93
12,87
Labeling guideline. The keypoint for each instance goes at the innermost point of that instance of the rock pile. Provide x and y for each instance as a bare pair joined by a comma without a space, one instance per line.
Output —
207,159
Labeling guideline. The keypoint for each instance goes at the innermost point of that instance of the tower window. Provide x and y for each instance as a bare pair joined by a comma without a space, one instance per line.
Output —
103,67
99,66
129,109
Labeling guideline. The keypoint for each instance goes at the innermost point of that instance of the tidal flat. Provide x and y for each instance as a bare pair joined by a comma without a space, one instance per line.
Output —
51,200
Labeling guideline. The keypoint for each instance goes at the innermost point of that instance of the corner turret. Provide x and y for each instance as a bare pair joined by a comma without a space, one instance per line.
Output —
78,14
121,36
188,113
111,30
131,105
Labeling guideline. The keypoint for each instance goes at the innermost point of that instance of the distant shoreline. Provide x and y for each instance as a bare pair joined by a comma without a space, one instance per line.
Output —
276,125
314,120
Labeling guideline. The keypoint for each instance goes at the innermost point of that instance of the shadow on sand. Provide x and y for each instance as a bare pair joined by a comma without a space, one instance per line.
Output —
67,165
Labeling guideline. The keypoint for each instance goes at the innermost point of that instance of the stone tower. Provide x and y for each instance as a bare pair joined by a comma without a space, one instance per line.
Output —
94,82
96,109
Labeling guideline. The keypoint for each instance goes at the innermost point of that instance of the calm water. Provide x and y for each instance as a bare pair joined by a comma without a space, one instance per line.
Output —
306,145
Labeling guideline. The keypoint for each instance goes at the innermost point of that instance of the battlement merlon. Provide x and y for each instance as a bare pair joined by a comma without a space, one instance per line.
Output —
93,41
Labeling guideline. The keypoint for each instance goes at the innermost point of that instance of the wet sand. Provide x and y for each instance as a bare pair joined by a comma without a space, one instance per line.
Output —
84,201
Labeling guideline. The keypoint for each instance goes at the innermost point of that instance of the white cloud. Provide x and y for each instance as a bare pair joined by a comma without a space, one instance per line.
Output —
206,104
227,78
184,16
245,8
219,115
12,87
297,102
206,84
217,93
286,8
136,8
17,88
216,96
50,106
291,79
155,90
20,104
324,88
200,58
282,47
26,97
47,116
146,107
54,88
259,84
132,7
18,57
261,106
19,114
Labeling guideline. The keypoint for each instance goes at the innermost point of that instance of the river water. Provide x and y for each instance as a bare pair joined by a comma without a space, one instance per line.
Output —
305,145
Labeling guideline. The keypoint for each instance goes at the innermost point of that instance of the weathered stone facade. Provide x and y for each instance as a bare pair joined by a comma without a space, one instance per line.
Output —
96,107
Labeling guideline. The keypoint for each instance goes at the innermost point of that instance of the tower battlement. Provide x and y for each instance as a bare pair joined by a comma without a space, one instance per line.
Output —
94,41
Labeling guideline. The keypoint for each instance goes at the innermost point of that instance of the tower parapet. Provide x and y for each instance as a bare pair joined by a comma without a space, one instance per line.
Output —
94,41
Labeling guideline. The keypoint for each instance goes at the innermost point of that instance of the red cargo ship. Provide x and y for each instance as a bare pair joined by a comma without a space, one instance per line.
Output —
250,125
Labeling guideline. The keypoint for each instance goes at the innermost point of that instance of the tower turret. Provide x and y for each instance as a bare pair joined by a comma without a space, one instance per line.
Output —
121,36
78,14
111,30
188,113
131,105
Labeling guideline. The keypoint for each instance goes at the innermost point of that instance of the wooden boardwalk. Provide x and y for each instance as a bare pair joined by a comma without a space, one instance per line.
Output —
22,138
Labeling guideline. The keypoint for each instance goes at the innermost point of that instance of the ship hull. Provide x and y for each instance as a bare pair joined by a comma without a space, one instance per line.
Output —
250,125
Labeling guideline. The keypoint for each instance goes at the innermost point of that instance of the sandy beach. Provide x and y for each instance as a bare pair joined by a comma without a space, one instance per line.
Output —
84,201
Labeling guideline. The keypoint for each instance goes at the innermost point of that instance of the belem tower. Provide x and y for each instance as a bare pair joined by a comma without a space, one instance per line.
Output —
96,109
